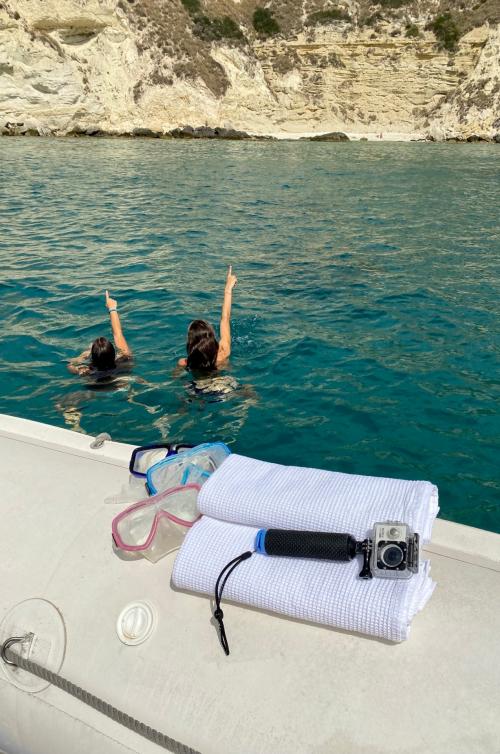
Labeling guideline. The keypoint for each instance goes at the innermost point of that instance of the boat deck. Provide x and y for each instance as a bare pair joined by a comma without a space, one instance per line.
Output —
287,688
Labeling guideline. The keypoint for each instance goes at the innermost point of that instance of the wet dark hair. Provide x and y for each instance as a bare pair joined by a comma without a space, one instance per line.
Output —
103,354
202,346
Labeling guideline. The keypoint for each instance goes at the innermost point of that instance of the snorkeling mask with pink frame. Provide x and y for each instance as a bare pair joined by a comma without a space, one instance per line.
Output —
157,525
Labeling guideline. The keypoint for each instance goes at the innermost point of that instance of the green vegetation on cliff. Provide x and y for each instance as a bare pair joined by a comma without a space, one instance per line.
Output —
412,31
264,22
212,29
184,31
327,16
446,31
192,6
393,3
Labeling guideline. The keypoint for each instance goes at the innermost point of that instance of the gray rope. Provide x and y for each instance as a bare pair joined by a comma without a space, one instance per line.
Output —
98,704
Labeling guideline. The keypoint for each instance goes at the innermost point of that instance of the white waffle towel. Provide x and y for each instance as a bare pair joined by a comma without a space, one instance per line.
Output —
244,495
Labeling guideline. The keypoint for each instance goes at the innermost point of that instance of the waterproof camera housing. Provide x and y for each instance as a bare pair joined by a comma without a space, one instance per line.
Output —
392,553
394,550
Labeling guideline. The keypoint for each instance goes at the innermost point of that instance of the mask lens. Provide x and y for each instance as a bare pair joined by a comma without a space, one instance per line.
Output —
182,504
135,528
144,458
210,460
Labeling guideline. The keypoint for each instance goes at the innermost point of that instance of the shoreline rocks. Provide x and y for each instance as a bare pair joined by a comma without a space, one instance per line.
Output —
206,132
332,136
13,128
181,132
20,128
473,139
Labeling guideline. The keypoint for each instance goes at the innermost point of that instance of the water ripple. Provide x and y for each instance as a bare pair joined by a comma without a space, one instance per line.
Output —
366,323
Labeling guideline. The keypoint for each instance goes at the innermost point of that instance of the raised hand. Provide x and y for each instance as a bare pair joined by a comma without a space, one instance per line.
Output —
110,302
231,279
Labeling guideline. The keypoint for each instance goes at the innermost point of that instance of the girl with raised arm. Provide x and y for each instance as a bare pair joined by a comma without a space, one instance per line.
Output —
204,352
103,356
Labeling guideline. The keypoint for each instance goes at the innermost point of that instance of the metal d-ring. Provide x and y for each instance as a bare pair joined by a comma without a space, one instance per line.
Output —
5,646
99,441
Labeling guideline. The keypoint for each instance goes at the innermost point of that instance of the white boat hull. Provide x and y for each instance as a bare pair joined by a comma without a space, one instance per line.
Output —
287,687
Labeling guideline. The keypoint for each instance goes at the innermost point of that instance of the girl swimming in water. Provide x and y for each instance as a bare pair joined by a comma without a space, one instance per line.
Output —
103,356
204,352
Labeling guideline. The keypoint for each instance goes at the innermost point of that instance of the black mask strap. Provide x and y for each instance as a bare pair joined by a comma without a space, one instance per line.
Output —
218,614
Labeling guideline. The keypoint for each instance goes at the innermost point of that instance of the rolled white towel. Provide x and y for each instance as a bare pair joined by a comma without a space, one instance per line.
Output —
256,493
312,590
244,495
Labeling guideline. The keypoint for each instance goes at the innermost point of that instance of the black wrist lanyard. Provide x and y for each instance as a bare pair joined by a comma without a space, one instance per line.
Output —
225,574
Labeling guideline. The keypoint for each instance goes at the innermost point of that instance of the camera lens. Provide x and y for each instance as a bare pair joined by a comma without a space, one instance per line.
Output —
392,556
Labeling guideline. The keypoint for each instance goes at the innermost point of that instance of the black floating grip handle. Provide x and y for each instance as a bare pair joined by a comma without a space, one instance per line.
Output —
310,544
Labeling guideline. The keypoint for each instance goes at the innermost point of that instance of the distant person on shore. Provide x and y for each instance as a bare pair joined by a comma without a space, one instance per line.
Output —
204,352
103,357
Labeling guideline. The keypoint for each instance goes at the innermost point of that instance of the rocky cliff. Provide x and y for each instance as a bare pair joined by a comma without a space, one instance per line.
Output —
407,68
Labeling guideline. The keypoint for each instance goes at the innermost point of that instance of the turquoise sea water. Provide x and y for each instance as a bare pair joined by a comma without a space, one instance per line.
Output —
365,320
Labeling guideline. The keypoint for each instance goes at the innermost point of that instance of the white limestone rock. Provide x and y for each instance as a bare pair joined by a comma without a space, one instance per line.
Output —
70,65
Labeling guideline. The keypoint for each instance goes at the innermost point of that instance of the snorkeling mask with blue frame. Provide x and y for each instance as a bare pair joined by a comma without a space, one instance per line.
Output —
192,466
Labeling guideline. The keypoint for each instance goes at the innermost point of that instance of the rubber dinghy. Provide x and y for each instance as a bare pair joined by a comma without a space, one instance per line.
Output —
290,688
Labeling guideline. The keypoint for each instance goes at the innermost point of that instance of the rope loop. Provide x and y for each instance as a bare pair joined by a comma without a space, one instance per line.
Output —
12,658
